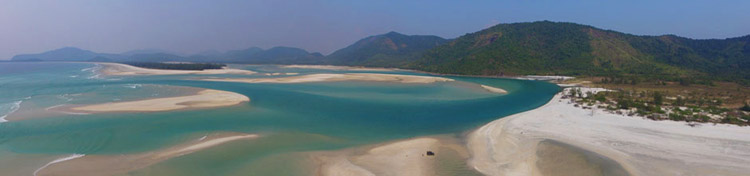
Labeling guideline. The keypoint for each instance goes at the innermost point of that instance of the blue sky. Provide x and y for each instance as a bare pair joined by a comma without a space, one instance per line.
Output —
191,26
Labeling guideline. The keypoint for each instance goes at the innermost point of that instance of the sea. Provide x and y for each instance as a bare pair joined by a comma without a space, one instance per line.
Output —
291,118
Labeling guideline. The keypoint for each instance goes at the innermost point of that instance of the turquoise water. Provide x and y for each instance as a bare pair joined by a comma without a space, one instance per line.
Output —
291,117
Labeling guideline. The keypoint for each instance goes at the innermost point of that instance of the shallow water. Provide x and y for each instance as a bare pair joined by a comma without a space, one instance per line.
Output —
290,117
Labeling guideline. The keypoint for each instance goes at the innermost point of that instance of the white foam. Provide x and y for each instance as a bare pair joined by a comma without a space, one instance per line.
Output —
53,107
13,108
74,156
65,97
94,70
133,86
202,138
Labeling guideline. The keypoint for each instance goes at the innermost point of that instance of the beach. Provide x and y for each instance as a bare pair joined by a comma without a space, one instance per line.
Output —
514,145
333,67
117,69
423,156
206,98
123,163
339,77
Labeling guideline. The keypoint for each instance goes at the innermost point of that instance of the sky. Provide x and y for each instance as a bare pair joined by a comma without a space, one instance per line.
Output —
193,26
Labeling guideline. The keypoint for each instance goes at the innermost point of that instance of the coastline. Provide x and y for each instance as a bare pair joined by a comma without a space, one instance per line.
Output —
205,98
641,147
116,69
339,77
559,139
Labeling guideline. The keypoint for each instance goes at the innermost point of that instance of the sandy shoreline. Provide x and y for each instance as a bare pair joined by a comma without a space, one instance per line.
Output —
494,89
405,157
508,146
123,69
121,164
207,98
339,77
333,67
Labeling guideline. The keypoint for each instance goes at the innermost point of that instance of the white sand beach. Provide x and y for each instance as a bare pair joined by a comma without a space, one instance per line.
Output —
494,89
333,67
123,69
508,146
83,165
207,98
339,77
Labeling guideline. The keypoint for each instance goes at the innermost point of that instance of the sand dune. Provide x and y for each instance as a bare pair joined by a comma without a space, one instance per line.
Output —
123,69
339,77
121,164
203,99
510,146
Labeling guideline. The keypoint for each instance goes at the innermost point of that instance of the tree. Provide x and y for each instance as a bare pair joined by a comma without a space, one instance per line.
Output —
658,98
680,101
745,108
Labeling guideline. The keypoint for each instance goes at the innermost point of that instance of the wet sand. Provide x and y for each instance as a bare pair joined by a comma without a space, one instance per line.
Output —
406,157
559,159
122,164
339,77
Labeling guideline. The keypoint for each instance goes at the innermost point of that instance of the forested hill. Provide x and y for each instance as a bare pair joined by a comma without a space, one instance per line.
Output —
387,50
539,48
557,48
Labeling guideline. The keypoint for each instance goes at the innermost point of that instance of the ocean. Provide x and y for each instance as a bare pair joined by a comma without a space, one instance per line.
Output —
291,118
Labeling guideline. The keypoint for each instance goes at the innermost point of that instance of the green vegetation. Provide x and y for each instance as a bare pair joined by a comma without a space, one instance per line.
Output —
551,48
176,66
657,105
387,50
745,108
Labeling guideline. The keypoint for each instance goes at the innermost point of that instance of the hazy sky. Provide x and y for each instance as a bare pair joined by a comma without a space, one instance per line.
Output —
191,26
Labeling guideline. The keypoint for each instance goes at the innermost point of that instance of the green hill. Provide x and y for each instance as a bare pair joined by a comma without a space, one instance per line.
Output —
573,49
387,50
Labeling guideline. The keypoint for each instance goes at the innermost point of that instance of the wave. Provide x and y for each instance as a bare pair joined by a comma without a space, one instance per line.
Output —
94,70
133,86
13,107
53,107
74,156
66,97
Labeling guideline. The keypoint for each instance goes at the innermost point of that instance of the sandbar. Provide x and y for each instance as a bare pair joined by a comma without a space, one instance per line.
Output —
122,164
124,69
638,146
405,157
494,89
339,77
334,67
207,98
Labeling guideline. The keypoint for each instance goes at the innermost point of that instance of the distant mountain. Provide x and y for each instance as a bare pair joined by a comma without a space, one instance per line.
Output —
254,55
573,49
147,51
154,57
275,55
386,50
62,54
